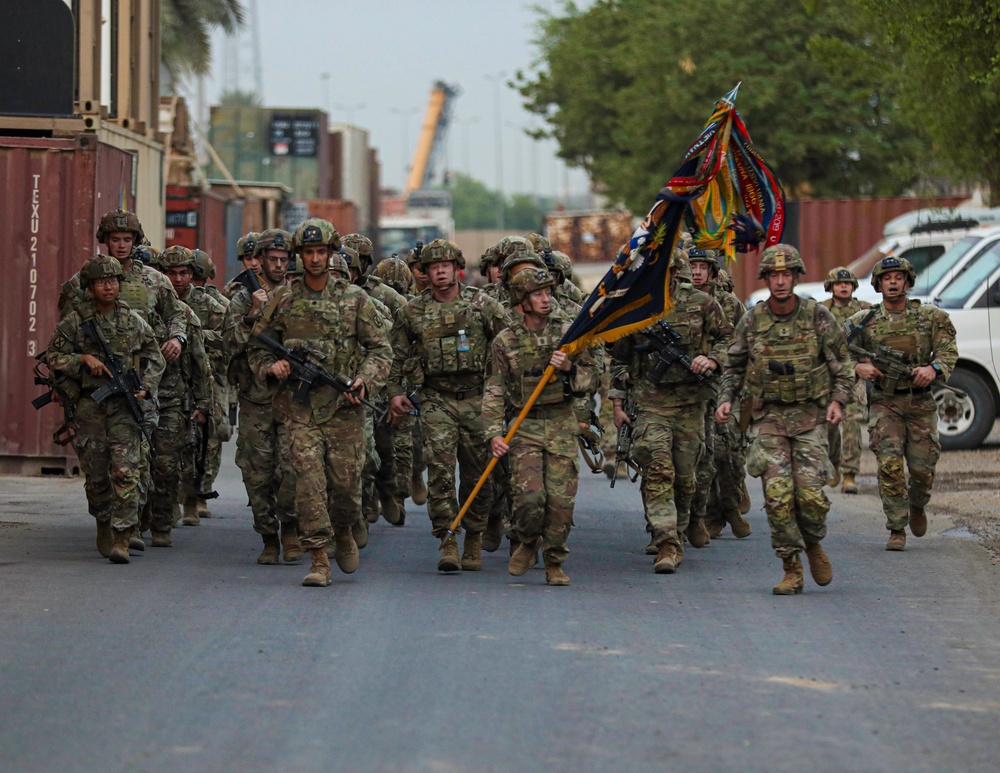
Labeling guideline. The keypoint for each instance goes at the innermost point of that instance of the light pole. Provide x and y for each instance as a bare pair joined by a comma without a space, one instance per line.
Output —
350,109
404,113
325,77
496,80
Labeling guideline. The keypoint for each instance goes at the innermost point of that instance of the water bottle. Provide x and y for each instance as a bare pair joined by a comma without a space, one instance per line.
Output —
463,341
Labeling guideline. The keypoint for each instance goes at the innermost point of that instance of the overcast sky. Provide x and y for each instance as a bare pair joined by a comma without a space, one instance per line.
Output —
386,55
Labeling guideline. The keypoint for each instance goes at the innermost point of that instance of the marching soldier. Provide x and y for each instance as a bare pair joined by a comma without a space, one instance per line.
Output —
902,424
544,456
669,429
109,440
246,247
440,342
327,431
790,355
845,439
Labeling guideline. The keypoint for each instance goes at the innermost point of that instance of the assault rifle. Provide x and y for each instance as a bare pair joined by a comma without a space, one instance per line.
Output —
200,435
249,280
308,371
665,348
590,444
895,364
43,377
623,448
121,382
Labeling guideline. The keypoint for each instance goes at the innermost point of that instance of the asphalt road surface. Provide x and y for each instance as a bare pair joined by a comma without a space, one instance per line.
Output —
195,658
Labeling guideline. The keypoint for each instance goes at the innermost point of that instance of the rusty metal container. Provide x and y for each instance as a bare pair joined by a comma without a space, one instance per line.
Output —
343,214
589,237
52,194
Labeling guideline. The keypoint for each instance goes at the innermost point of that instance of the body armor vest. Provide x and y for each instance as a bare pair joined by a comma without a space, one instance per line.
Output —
686,317
529,361
785,364
311,319
908,333
439,338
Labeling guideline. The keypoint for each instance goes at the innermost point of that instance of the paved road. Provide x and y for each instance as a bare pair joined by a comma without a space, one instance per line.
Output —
194,658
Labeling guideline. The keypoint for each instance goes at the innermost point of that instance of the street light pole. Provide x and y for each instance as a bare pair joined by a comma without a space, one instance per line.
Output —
350,109
325,77
496,80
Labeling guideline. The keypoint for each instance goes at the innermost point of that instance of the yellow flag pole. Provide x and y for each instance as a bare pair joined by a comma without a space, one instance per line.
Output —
542,383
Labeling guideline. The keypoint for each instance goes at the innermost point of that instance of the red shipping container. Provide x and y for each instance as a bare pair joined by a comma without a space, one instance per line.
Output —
343,214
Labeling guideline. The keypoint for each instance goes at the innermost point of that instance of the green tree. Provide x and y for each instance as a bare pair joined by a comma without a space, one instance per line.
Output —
186,29
474,206
946,55
239,97
626,85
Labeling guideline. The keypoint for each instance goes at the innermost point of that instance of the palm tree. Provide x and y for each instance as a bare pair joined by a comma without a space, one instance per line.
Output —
185,29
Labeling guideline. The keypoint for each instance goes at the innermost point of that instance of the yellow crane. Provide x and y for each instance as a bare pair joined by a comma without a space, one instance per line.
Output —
430,144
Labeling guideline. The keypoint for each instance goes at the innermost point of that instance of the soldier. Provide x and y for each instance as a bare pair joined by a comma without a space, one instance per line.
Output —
845,440
544,456
246,247
720,477
421,281
108,439
669,429
440,342
790,355
262,448
561,268
902,421
327,431
418,488
395,273
179,265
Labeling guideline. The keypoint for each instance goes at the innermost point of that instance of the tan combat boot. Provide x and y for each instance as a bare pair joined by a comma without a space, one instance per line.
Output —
105,539
792,582
472,556
819,564
177,514
272,547
203,511
715,527
697,533
651,549
739,525
290,544
390,509
191,517
745,503
524,557
850,485
834,479
679,553
418,490
554,574
162,539
319,572
450,561
493,535
345,551
897,540
666,559
135,540
918,521
119,547
359,533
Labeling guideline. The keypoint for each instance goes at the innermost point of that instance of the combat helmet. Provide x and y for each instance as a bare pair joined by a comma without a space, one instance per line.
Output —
119,220
175,256
246,244
204,266
350,257
892,263
274,239
315,231
538,242
679,266
337,263
839,274
441,250
711,257
99,267
395,273
147,255
490,256
525,282
780,257
364,248
561,266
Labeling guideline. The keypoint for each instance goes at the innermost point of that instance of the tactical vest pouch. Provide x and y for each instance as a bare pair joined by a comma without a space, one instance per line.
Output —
443,355
553,393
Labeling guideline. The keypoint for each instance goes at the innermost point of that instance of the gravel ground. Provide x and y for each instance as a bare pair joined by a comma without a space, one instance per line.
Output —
965,489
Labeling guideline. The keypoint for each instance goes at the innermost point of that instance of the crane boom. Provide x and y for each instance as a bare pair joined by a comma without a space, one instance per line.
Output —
430,144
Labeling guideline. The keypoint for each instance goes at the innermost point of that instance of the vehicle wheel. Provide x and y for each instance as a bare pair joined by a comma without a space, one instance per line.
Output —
964,422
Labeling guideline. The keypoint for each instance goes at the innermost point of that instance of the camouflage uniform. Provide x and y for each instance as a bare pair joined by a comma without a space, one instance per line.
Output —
544,454
108,440
845,438
425,352
788,437
326,433
902,421
669,430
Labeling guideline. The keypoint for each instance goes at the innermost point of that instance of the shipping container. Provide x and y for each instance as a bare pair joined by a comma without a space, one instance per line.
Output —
343,214
589,237
53,194
197,219
351,172
279,145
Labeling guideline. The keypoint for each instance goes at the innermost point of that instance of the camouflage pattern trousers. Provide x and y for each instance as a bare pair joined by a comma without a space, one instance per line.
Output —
173,442
262,454
720,471
403,453
904,426
845,438
794,470
667,445
110,448
221,433
455,427
327,459
545,467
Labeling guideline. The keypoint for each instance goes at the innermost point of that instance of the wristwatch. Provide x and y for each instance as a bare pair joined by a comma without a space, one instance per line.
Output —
180,337
937,367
